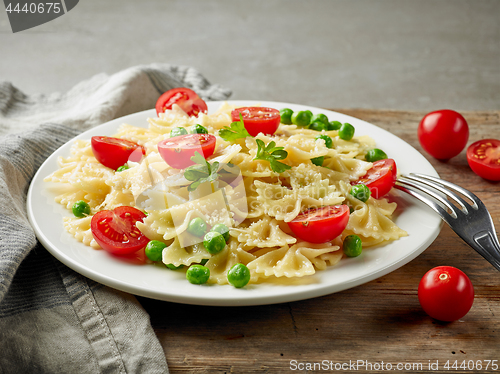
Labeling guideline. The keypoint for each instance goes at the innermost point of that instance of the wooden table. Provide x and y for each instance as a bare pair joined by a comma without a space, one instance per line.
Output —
379,323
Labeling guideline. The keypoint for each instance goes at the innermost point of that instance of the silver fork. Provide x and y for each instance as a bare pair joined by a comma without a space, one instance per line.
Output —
472,222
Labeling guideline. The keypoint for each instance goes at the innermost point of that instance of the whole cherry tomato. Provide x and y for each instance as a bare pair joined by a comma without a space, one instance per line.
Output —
446,293
443,133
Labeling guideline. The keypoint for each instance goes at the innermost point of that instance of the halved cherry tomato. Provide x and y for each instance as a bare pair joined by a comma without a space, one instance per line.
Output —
258,119
320,225
484,158
446,293
380,178
177,151
443,133
115,152
187,99
116,231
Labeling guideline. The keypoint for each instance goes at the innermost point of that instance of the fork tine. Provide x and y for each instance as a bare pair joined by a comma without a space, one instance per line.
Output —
476,201
439,187
406,182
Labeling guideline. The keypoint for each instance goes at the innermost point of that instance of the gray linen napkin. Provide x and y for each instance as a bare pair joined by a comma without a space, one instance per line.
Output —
53,320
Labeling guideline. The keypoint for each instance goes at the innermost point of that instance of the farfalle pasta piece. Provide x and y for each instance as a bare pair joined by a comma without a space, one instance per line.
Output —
178,255
80,229
220,263
265,232
295,261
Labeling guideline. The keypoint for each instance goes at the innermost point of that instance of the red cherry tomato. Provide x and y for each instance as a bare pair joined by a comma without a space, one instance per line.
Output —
258,119
187,99
484,158
116,231
115,152
320,225
446,293
380,178
177,151
443,133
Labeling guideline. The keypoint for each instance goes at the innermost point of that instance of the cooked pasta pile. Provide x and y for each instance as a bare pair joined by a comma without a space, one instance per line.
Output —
258,211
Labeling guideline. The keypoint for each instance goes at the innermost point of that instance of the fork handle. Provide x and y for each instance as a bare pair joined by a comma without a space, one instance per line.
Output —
487,246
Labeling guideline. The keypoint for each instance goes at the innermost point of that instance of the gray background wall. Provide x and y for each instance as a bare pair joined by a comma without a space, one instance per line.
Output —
388,54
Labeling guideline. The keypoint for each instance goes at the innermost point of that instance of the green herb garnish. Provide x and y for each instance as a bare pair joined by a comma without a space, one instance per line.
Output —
272,154
200,173
237,130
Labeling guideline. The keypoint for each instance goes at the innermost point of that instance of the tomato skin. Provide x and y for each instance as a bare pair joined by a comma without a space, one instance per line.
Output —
258,119
177,151
443,133
446,293
116,231
380,178
320,225
187,99
116,152
483,157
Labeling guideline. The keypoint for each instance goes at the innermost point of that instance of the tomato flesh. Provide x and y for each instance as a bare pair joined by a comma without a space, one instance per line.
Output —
483,157
380,178
187,99
116,231
320,225
116,152
258,119
177,151
443,133
446,293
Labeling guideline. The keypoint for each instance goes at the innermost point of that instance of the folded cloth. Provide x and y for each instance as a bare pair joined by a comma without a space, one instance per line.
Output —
53,320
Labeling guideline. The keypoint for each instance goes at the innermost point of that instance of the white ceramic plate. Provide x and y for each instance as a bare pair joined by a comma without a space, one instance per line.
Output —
157,282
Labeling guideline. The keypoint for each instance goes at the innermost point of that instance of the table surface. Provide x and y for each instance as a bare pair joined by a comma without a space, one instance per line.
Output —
379,322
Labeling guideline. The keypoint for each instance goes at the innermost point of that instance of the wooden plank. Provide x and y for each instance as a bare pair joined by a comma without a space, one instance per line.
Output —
380,321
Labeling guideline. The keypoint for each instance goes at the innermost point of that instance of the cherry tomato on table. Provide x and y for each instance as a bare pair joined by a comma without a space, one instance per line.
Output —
116,231
177,151
443,133
258,119
483,157
115,152
187,99
446,293
380,178
320,225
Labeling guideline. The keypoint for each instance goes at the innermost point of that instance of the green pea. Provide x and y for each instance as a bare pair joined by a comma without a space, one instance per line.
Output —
302,118
173,267
81,209
320,117
352,246
375,154
346,131
122,168
318,126
199,129
360,192
198,274
318,161
286,116
178,131
221,229
327,139
334,125
238,275
197,227
154,250
214,242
